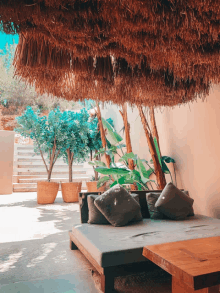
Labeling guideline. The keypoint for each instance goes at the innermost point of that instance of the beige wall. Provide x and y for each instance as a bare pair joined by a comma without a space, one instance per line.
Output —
191,135
6,161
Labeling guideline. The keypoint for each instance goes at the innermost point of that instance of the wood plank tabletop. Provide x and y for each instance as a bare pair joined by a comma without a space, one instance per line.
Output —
196,262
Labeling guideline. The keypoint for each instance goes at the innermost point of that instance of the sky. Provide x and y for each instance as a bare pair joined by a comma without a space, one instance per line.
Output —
5,38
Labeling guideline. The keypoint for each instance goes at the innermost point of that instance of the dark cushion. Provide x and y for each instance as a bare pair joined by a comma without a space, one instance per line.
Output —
174,203
117,205
154,212
191,212
96,217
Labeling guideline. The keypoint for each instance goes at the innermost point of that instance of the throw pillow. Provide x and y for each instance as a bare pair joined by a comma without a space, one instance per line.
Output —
95,216
191,212
174,203
154,212
117,205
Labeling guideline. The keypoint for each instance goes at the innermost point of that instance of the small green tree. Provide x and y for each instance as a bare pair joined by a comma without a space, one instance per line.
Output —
73,135
45,134
94,141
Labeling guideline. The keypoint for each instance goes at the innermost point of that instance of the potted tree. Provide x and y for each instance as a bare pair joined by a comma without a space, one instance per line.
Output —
94,144
43,132
73,132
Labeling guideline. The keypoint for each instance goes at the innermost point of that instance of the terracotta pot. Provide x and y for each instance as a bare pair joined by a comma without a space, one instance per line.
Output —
133,187
70,191
92,187
47,192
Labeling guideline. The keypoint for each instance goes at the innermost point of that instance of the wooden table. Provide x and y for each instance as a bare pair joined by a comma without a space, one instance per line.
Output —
193,264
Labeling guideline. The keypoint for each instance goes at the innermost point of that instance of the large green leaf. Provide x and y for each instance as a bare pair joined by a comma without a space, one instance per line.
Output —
145,173
167,159
126,157
157,150
97,163
112,171
113,137
150,170
165,169
102,181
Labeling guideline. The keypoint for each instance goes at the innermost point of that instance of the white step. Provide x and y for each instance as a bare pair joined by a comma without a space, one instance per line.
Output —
23,147
35,159
35,180
43,169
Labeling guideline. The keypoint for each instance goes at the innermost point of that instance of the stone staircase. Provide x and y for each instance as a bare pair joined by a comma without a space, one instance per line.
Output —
29,169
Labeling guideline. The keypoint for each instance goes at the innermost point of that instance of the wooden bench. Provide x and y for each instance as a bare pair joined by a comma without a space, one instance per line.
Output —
193,264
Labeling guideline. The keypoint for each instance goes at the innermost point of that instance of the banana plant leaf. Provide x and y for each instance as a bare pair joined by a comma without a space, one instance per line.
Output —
112,171
126,157
97,163
157,150
112,136
102,181
168,159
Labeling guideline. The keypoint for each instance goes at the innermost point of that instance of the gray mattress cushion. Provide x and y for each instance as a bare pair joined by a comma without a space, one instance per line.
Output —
111,246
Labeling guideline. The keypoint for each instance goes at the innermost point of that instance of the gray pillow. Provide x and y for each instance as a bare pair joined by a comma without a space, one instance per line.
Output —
191,212
117,205
174,203
96,217
153,211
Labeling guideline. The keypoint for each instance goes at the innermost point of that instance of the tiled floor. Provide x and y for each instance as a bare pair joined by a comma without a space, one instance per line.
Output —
34,247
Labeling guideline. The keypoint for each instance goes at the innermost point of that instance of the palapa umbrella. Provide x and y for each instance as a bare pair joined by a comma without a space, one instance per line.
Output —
161,53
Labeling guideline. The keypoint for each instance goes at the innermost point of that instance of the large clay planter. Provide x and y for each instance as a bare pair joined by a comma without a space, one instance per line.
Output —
47,192
92,187
70,191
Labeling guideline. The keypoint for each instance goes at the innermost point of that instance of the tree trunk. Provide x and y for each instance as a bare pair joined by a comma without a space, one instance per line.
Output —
127,134
70,165
102,133
158,170
154,127
96,173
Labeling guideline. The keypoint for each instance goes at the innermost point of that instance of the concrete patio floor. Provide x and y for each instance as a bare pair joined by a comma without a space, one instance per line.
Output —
34,247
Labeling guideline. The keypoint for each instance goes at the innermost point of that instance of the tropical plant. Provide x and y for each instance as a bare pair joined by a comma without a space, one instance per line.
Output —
73,137
45,135
94,142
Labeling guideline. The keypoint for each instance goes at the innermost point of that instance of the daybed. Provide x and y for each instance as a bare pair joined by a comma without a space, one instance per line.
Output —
117,251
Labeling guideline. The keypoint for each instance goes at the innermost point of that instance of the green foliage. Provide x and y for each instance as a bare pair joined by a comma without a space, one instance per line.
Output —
74,134
44,133
94,137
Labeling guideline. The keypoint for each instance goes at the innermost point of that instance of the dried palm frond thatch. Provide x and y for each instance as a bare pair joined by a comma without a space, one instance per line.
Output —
161,52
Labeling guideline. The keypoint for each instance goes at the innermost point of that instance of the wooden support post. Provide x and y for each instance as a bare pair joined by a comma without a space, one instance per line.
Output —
102,132
154,127
161,181
72,245
107,283
127,134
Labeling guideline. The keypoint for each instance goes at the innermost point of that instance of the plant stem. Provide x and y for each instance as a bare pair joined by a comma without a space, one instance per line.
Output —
157,167
174,173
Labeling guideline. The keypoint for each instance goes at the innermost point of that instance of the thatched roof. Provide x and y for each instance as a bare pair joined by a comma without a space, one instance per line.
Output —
159,52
